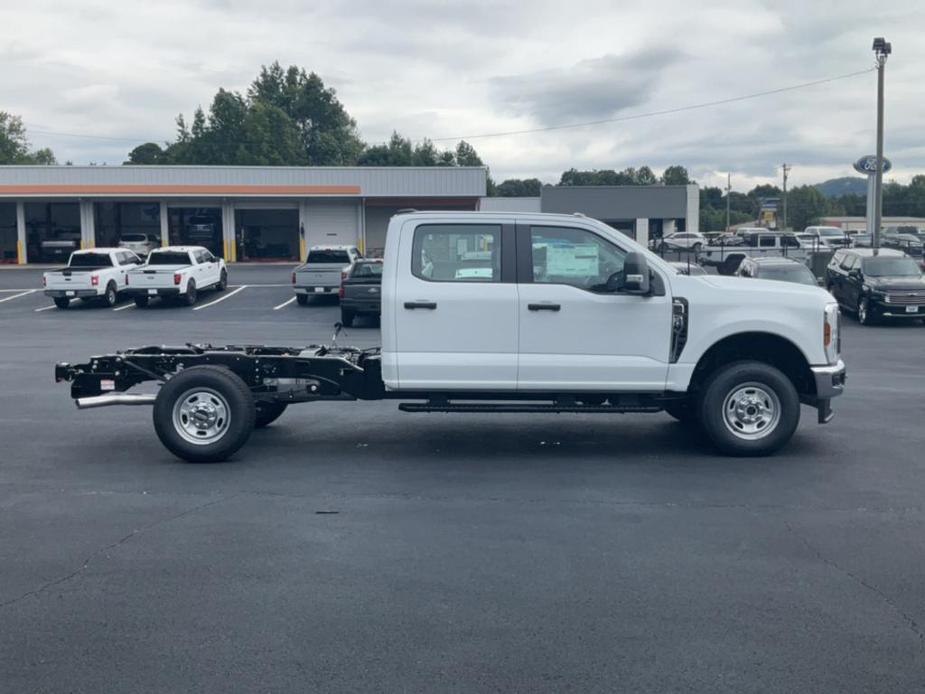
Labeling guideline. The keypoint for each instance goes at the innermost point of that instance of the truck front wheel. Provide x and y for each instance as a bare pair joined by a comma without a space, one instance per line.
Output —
682,410
749,408
204,414
190,296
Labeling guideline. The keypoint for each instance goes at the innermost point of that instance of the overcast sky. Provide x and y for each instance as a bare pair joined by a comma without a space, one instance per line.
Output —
126,68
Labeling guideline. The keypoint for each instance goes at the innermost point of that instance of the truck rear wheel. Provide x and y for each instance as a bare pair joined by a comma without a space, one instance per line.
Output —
749,408
111,296
346,317
302,299
61,301
190,297
141,301
204,414
268,412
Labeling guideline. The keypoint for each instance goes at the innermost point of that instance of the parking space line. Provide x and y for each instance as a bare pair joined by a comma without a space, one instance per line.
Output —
16,296
284,304
23,289
284,284
221,298
131,304
45,308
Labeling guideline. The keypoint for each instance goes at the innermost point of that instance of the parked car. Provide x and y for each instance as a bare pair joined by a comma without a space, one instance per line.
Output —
835,237
862,239
61,246
201,228
684,268
908,243
741,231
140,244
361,291
876,284
684,240
727,239
177,272
575,317
780,269
812,242
99,274
322,270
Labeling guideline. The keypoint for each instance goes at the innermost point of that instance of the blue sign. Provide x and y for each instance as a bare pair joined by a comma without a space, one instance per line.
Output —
868,165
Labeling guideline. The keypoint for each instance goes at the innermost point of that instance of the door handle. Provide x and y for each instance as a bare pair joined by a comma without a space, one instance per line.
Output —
543,307
430,305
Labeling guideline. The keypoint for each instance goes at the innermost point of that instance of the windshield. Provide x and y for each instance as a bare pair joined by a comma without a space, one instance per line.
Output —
169,258
830,231
90,260
891,267
135,238
329,256
788,273
367,270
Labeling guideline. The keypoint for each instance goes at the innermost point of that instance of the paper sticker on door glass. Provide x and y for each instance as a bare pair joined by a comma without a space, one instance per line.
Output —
572,261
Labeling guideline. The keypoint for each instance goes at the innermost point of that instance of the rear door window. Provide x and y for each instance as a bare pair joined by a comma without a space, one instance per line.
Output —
457,253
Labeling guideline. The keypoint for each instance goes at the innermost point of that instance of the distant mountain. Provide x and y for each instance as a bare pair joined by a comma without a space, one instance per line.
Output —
843,186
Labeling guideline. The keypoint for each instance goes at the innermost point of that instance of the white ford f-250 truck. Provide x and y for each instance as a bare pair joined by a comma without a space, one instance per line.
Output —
98,274
564,315
178,272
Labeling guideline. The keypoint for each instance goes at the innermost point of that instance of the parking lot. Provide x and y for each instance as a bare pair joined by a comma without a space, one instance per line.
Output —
353,547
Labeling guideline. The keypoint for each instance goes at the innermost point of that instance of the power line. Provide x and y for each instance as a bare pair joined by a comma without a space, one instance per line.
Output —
566,126
649,114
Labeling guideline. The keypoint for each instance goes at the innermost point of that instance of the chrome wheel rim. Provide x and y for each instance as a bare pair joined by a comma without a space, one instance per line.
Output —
751,411
862,312
200,416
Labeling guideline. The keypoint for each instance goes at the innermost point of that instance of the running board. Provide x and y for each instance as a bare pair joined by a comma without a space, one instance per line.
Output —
521,408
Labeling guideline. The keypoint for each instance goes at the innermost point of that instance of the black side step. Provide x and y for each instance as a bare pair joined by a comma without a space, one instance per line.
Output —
515,408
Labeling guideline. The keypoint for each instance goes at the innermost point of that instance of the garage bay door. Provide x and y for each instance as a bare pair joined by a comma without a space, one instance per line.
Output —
333,224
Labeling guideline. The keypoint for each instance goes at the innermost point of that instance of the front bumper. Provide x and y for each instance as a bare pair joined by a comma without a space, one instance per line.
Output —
830,383
71,293
359,306
883,309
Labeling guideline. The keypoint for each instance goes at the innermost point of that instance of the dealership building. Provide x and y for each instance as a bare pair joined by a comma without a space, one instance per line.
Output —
256,214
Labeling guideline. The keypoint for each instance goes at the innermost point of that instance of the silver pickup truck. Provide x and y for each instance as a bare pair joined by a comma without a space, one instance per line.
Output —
321,272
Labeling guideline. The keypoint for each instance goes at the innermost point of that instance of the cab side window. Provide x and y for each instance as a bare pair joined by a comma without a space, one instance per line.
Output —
457,253
576,257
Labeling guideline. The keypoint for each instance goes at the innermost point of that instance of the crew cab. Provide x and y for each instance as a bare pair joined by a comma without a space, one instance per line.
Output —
177,272
874,284
564,314
321,273
99,274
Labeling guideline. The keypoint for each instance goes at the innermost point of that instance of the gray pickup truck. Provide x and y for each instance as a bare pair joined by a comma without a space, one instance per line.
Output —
321,273
361,291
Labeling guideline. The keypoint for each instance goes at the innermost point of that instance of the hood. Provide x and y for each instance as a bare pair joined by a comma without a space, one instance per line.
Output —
739,285
904,283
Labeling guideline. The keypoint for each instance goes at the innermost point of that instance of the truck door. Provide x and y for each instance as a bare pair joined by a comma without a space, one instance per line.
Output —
574,333
455,307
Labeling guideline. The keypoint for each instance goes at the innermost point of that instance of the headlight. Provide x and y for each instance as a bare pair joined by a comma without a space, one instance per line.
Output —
831,340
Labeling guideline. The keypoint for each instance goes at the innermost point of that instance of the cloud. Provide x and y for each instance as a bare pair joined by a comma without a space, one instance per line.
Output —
597,88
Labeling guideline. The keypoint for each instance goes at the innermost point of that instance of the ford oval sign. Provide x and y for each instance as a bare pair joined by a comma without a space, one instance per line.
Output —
868,165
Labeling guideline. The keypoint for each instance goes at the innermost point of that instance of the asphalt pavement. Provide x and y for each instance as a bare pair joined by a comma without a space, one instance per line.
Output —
351,547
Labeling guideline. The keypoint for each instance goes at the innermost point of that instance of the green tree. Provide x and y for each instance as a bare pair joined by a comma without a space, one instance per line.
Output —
148,153
645,177
14,144
805,205
676,176
519,188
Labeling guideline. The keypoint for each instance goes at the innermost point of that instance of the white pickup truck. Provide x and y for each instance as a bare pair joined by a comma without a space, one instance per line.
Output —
177,272
564,315
322,271
99,274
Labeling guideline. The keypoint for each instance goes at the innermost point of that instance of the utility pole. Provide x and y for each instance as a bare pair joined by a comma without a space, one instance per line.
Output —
786,170
728,190
882,49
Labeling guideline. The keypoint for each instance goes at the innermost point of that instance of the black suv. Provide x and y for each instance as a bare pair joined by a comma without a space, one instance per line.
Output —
876,284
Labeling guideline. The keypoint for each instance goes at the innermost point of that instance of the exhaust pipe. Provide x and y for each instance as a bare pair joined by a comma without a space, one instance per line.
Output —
114,399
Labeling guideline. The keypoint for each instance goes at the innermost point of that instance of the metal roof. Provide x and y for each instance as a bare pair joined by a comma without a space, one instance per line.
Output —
241,181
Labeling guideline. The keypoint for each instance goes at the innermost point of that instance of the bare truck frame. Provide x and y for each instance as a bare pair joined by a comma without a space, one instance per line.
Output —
211,398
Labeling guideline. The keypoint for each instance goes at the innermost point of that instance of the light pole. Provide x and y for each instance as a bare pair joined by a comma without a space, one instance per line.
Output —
882,49
786,171
728,190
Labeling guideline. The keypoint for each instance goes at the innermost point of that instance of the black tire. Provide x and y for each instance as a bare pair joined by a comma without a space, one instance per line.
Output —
863,312
682,410
239,408
758,383
301,299
111,296
268,412
61,301
222,282
141,301
346,317
191,294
